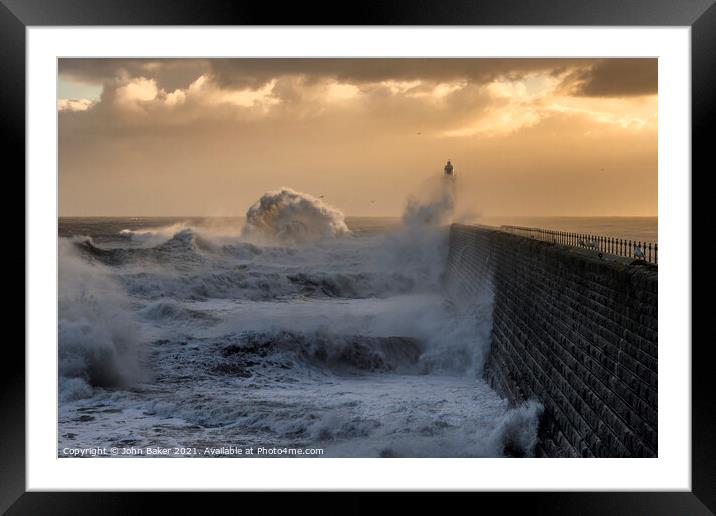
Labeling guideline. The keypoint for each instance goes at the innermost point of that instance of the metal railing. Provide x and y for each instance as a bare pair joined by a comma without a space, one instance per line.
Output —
617,246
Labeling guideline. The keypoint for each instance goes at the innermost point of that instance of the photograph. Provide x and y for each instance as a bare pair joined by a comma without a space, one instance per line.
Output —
349,257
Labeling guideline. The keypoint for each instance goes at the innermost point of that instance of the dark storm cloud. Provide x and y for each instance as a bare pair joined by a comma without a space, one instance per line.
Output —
170,74
584,77
253,73
615,78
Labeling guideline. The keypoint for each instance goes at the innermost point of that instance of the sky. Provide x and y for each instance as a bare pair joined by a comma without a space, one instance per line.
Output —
207,137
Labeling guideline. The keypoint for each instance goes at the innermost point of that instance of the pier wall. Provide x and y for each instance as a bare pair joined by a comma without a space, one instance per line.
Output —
570,329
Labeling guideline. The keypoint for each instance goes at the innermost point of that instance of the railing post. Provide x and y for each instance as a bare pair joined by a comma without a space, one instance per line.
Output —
605,244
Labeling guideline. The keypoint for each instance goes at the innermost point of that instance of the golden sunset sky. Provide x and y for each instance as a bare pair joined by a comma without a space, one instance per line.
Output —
204,137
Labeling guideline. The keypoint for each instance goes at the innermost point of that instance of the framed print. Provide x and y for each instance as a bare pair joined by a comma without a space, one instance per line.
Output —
417,250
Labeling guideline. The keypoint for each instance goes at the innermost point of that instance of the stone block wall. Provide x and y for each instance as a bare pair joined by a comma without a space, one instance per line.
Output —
576,332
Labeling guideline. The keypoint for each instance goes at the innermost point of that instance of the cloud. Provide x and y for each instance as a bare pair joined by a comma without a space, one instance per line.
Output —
136,90
168,136
524,103
204,91
432,96
253,73
338,92
74,104
169,74
465,97
614,78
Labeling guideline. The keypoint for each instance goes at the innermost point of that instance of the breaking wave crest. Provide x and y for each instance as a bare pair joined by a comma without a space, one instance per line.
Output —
98,340
288,216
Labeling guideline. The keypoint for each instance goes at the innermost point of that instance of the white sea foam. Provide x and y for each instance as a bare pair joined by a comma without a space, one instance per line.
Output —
151,236
286,215
433,205
98,341
282,331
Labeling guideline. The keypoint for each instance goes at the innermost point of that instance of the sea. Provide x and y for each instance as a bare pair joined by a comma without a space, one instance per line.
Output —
293,331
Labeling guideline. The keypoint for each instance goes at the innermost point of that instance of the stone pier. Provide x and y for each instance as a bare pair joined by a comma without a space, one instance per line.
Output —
572,330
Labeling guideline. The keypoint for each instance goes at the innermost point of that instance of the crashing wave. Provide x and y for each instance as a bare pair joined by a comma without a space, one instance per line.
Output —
98,340
288,216
183,246
433,209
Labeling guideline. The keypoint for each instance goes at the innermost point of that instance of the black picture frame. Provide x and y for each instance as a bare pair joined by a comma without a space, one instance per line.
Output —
17,15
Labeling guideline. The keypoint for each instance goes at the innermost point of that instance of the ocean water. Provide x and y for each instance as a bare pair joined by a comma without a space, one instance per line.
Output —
290,328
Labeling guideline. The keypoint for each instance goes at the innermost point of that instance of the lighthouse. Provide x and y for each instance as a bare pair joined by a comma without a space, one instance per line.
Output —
449,170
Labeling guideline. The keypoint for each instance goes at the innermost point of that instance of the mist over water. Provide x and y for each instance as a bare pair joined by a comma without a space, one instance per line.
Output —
294,329
99,341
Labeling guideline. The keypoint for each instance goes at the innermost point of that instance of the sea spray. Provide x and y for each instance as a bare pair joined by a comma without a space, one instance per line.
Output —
288,216
516,433
433,206
98,340
281,332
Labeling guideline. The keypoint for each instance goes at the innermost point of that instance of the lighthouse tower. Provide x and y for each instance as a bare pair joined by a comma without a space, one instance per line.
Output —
449,170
